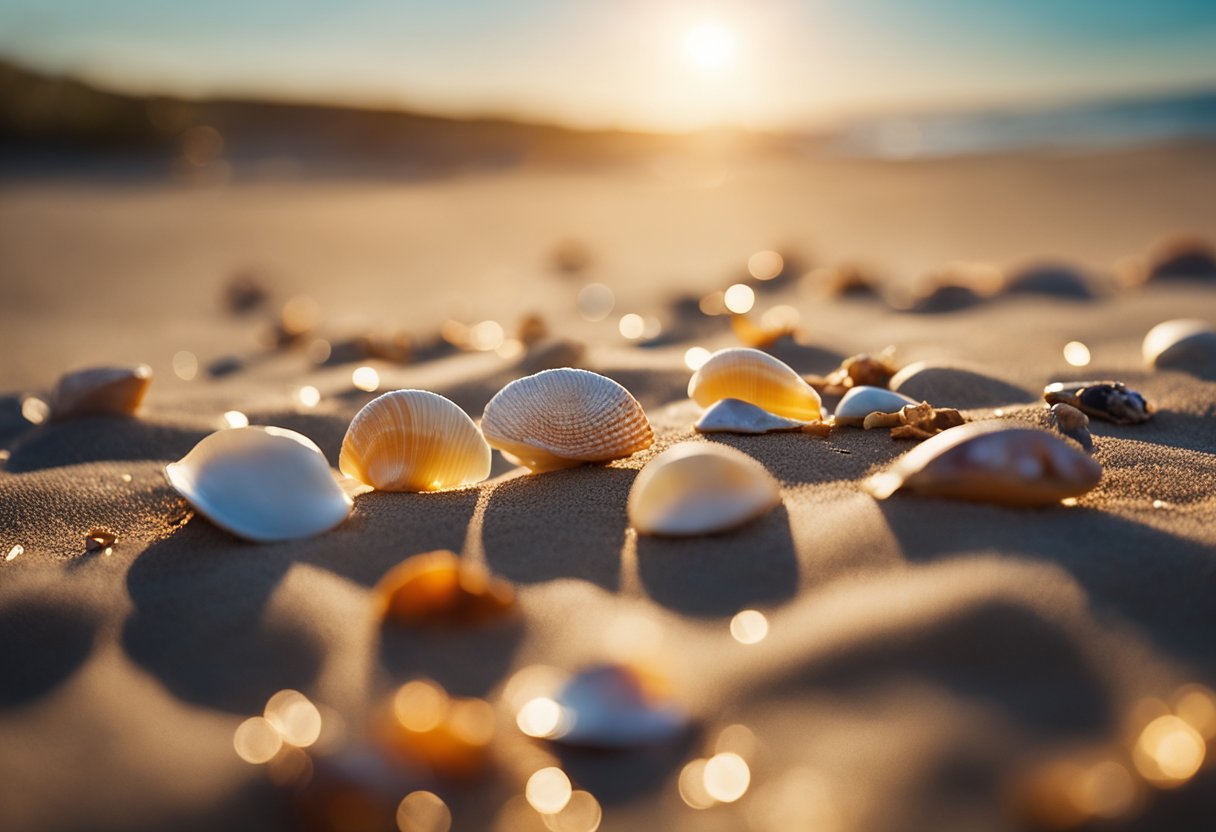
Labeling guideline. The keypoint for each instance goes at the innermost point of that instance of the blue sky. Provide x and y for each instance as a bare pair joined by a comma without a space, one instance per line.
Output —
627,62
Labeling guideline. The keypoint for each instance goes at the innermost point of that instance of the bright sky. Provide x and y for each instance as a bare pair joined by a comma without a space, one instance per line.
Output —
666,64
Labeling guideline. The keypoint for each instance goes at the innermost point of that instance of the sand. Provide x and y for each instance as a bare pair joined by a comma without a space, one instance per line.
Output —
923,656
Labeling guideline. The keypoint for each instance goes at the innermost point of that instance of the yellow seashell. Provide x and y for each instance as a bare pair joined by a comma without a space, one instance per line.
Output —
413,440
698,488
756,377
101,390
565,417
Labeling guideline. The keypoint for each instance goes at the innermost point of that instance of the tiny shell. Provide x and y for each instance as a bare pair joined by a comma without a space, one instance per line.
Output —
860,402
617,706
1112,401
993,463
261,483
101,390
413,440
738,416
1184,344
699,488
1074,424
565,417
439,589
755,377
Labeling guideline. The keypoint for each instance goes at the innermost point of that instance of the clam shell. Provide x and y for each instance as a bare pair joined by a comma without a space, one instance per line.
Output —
860,402
738,416
989,462
413,440
699,488
564,417
101,390
1185,344
755,377
261,483
616,706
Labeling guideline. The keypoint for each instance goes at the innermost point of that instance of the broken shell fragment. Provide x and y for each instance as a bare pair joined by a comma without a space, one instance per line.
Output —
99,539
699,488
413,440
755,377
439,589
1185,344
261,483
738,416
565,417
1112,401
861,370
617,706
860,402
915,421
115,391
1071,422
990,462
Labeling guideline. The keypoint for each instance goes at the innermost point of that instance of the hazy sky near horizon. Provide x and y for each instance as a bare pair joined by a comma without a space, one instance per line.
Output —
666,64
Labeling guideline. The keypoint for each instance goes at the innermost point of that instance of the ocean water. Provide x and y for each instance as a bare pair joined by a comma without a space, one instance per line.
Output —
1132,122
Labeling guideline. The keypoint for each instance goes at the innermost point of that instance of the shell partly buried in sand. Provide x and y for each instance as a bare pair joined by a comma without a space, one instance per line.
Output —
1185,344
413,440
1111,401
738,416
860,402
261,483
699,488
989,462
755,377
440,589
617,706
565,417
115,391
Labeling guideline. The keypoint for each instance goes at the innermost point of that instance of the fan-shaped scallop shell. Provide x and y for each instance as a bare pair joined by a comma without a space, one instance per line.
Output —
989,462
756,377
564,417
860,402
261,483
101,390
699,488
413,440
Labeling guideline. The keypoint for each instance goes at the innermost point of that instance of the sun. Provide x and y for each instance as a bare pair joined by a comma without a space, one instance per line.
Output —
710,46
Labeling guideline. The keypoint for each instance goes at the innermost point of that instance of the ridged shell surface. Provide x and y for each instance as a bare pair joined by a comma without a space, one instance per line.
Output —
699,488
413,440
755,377
101,390
993,463
261,483
564,417
860,402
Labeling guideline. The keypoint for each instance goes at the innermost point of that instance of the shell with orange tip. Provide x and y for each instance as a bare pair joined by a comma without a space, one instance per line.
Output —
439,589
565,417
991,463
116,391
756,377
413,440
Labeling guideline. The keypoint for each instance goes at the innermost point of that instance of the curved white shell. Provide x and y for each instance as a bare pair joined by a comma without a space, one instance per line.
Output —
413,440
1179,343
564,417
990,462
610,706
860,402
261,483
101,390
755,377
699,488
738,416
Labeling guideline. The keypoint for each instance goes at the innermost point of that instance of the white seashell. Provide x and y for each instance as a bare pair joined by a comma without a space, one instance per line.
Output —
738,416
101,390
755,377
413,440
989,462
261,483
1185,344
699,488
615,706
860,402
564,417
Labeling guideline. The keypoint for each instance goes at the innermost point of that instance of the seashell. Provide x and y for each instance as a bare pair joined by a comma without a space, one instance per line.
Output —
755,377
1112,401
989,462
564,417
860,402
101,390
413,440
441,589
1051,279
1074,424
261,483
1182,257
617,706
424,727
1185,344
956,385
700,488
738,416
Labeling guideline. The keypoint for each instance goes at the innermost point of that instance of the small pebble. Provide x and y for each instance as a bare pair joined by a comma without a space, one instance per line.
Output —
14,552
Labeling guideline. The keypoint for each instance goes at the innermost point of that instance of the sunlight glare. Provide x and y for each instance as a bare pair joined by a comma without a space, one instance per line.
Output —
710,46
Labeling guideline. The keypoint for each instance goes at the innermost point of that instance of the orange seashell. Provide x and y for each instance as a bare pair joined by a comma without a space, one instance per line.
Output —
439,589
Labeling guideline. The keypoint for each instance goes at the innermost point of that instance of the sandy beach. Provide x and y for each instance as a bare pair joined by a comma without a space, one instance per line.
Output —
925,659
